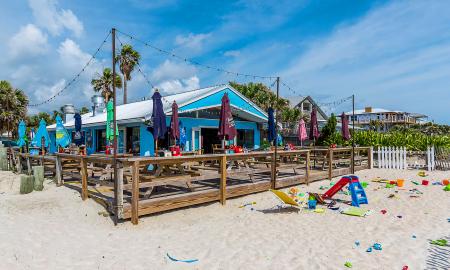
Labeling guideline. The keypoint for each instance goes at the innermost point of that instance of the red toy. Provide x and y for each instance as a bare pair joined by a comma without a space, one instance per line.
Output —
355,187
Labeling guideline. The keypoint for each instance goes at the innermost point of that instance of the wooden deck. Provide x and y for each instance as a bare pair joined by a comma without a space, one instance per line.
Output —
176,182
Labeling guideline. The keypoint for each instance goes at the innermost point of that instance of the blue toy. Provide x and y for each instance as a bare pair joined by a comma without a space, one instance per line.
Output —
355,187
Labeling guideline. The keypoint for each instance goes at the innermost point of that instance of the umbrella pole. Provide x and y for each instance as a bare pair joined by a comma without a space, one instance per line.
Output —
156,147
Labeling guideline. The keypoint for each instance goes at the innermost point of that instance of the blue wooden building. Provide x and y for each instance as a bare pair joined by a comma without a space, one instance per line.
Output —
198,113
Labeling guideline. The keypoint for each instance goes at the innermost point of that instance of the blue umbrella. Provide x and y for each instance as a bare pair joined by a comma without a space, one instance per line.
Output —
22,141
271,126
41,133
78,137
62,136
183,137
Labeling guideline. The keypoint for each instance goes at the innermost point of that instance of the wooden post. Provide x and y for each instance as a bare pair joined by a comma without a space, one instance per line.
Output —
273,167
19,164
84,180
352,163
58,170
223,180
38,173
370,157
330,163
135,194
308,161
29,165
26,184
120,192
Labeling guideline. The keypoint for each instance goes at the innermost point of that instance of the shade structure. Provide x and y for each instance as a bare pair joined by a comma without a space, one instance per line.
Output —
78,137
159,127
62,136
227,129
302,131
41,135
314,127
174,124
345,131
22,130
271,133
110,121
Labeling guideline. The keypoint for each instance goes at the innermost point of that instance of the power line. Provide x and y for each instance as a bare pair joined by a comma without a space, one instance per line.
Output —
74,79
185,59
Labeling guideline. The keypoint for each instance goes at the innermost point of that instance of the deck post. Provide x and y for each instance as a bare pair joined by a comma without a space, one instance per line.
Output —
370,157
330,163
29,165
273,170
120,192
135,194
308,161
223,180
19,163
352,161
58,171
84,176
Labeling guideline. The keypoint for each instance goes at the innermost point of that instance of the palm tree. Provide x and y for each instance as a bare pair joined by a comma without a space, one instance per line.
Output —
13,107
128,59
103,83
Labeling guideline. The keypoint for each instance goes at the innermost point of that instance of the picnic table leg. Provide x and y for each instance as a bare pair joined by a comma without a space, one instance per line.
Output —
330,164
308,161
223,180
84,176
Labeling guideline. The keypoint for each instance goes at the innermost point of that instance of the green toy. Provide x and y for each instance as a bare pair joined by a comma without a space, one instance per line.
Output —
348,264
447,187
439,242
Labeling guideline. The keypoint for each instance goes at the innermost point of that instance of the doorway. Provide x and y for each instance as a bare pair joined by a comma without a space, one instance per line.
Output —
209,137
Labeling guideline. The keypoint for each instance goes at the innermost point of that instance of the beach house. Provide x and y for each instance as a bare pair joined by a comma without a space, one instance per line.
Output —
198,113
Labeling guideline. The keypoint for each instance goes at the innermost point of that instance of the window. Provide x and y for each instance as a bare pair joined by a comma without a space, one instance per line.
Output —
245,137
100,136
133,140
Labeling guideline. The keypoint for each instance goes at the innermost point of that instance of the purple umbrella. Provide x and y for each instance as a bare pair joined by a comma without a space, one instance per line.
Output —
227,130
174,125
345,130
314,127
159,128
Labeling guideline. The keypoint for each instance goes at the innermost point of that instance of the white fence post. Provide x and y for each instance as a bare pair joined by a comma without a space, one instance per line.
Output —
428,159
379,157
371,157
433,165
404,159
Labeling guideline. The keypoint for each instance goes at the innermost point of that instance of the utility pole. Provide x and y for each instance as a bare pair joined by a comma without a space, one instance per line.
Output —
116,193
353,135
276,132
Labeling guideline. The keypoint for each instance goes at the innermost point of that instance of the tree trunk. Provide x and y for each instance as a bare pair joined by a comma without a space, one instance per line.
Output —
124,90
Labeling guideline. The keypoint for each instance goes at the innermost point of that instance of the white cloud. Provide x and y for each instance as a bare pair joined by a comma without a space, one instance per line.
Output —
178,86
28,42
389,58
232,53
172,70
71,55
191,41
43,92
55,20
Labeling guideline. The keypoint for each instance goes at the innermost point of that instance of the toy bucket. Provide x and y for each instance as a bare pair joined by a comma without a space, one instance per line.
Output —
425,182
400,182
392,182
445,182
312,204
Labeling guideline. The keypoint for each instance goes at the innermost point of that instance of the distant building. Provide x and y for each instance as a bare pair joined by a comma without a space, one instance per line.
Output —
383,120
306,105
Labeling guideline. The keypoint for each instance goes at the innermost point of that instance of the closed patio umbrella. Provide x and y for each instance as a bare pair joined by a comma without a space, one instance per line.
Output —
227,129
271,132
41,135
158,119
78,137
344,128
302,131
22,141
174,124
62,136
110,121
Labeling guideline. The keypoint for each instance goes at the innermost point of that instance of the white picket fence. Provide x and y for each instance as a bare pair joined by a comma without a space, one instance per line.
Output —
396,158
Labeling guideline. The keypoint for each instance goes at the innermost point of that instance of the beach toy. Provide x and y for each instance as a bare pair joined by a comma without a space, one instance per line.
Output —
369,249
415,183
422,174
405,267
177,260
399,216
392,182
414,236
400,182
437,184
425,182
364,184
389,185
445,182
348,264
377,246
247,204
293,191
319,210
383,211
354,186
301,194
439,242
357,243
355,211
447,187
312,204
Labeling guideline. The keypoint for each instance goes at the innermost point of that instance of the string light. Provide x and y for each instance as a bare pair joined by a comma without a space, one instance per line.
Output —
218,69
74,79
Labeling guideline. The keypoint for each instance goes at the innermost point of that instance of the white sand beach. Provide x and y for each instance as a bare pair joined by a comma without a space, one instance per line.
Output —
55,229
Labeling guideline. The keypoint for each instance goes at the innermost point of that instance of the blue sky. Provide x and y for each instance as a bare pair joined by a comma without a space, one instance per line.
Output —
390,54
